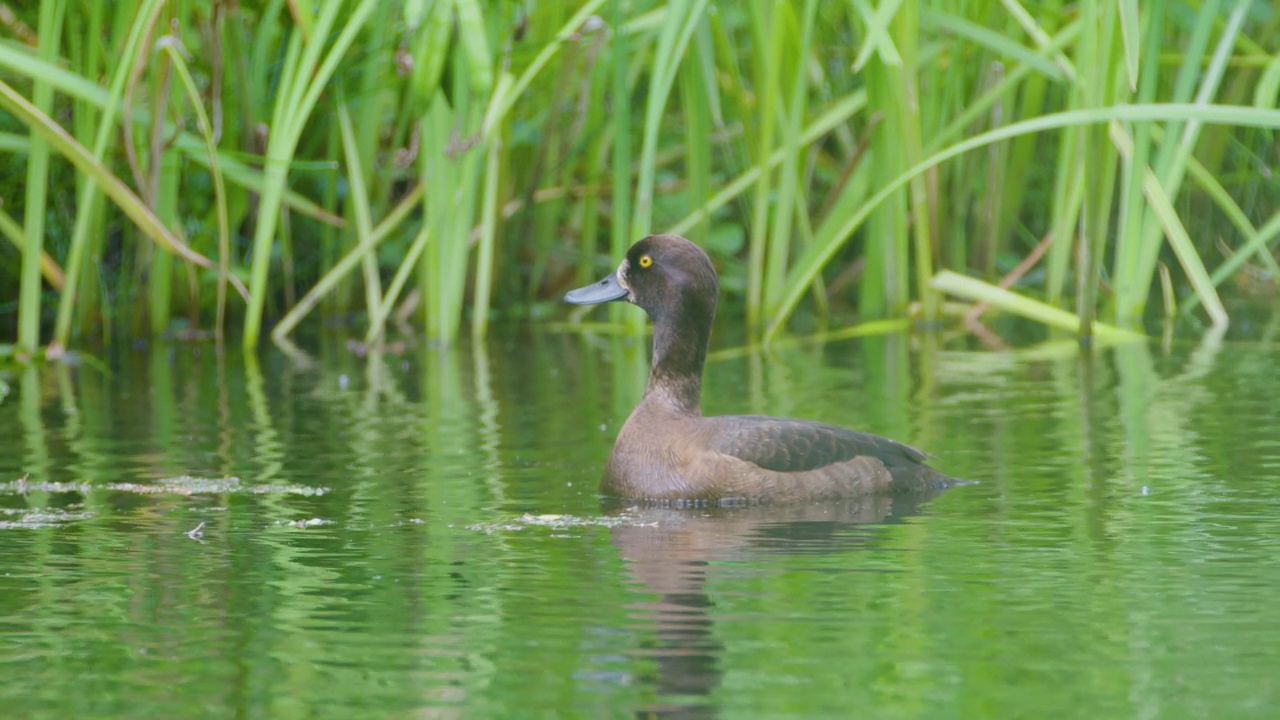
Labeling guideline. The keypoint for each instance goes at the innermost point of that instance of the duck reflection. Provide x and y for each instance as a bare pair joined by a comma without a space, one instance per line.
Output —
669,552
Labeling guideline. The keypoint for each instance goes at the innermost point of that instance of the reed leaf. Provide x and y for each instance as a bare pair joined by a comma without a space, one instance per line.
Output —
359,199
1182,247
767,79
37,186
221,212
676,33
622,160
488,238
49,269
791,195
1129,27
998,43
1255,244
1011,302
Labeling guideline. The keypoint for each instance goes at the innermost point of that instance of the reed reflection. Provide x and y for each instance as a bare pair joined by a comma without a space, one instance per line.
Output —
672,553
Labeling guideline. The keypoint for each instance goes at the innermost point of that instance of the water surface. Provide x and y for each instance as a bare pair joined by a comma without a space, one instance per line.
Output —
417,534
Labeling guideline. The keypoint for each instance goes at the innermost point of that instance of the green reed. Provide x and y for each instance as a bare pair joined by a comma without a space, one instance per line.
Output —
446,158
51,18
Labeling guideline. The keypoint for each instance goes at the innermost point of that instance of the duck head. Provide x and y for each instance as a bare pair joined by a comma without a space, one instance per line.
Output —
669,277
674,282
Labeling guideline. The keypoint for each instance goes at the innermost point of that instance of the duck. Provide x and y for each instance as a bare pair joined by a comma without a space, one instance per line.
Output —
668,452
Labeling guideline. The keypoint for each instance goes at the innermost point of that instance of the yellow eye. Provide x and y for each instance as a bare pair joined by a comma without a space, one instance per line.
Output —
645,261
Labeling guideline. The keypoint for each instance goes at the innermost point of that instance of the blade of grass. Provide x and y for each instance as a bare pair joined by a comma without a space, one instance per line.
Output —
37,186
488,239
1097,162
1046,44
622,160
695,100
48,266
906,27
475,45
676,32
432,50
994,41
378,321
359,198
1132,202
1185,251
219,187
790,189
1129,28
768,73
1267,92
1011,302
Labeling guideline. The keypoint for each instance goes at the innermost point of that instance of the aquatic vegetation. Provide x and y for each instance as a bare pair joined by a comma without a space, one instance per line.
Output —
435,163
184,485
37,518
632,517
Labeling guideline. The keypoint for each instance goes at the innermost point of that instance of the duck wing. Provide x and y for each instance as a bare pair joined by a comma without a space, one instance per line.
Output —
785,445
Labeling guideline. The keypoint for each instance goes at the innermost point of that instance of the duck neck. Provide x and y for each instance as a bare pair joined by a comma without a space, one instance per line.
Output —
679,353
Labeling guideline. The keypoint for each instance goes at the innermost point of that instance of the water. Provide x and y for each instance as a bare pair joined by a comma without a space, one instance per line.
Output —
418,535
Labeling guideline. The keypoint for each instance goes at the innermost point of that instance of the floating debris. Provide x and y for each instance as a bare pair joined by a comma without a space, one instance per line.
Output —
561,522
184,485
35,518
195,533
313,522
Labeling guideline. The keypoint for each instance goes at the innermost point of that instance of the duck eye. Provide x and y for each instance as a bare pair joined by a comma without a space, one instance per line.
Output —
645,261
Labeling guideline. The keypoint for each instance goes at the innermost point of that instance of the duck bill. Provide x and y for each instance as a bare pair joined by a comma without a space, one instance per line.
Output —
607,290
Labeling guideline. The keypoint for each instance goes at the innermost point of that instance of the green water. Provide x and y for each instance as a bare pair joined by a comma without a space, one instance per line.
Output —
418,535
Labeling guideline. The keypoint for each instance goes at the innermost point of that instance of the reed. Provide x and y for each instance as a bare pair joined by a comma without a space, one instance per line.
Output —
469,158
50,31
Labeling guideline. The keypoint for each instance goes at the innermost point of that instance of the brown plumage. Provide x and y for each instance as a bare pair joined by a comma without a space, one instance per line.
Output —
667,451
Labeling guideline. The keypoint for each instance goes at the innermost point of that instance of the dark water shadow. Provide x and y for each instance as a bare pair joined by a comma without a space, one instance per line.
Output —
670,552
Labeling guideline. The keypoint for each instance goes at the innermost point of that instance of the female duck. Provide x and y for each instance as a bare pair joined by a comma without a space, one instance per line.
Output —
667,451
